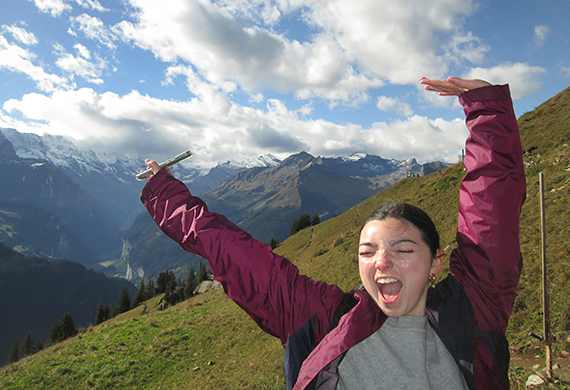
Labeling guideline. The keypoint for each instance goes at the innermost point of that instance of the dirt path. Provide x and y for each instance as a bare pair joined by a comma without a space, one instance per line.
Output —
531,360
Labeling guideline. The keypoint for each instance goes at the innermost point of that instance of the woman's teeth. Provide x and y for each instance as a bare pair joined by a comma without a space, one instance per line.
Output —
387,280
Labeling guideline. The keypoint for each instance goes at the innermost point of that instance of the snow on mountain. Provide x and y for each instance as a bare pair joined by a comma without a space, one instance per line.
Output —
355,157
63,153
82,165
112,192
263,161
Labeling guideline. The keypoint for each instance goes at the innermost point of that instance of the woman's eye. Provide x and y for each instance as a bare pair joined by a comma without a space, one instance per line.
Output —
406,251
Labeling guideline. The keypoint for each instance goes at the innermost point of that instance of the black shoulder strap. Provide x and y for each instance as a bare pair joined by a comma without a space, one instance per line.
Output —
450,314
301,344
346,304
328,377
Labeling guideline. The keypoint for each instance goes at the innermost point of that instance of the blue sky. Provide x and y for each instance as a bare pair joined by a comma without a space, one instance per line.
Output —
233,79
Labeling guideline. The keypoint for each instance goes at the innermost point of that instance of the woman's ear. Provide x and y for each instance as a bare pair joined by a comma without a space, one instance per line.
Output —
437,262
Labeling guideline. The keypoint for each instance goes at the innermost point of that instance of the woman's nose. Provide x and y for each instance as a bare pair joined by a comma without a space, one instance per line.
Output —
383,262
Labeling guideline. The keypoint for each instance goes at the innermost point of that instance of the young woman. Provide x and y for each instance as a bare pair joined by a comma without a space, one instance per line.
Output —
396,332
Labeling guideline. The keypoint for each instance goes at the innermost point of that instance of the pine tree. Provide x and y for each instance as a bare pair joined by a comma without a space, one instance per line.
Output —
67,327
14,354
300,223
107,312
61,330
171,295
273,243
102,314
27,345
124,301
316,220
150,289
191,284
168,295
54,334
294,227
114,311
161,282
163,279
202,273
140,296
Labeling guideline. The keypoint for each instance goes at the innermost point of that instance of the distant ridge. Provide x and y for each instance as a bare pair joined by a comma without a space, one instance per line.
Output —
265,200
35,293
81,233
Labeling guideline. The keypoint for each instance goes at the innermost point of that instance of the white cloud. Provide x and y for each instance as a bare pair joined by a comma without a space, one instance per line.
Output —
220,48
307,109
266,138
82,51
565,70
351,48
91,4
52,7
93,28
194,82
397,41
215,43
522,78
467,47
56,7
256,98
540,34
21,35
81,65
16,59
419,137
217,130
258,11
389,104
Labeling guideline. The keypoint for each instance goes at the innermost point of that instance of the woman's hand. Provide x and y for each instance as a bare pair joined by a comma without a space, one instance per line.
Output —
153,165
452,86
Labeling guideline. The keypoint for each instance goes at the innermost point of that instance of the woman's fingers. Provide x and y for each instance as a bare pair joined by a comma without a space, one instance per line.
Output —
452,86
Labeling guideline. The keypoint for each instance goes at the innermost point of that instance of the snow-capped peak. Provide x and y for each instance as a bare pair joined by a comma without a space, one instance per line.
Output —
355,157
263,161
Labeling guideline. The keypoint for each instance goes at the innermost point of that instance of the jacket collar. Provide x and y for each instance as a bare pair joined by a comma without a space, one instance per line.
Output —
355,326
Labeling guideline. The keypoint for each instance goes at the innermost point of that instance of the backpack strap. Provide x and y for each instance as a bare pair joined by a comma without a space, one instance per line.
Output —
301,344
450,314
328,377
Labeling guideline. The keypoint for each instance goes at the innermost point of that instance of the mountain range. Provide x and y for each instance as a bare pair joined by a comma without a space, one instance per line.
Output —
62,202
89,199
265,200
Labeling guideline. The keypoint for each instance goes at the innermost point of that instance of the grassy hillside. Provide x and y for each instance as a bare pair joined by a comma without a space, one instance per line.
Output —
208,343
204,343
35,293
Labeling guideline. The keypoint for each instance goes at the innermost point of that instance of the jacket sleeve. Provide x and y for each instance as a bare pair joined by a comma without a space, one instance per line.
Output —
267,286
488,261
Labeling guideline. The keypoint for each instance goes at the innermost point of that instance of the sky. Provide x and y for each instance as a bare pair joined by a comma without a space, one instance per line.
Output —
235,79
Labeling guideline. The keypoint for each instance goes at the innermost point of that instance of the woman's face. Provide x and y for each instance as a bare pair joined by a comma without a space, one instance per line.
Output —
395,264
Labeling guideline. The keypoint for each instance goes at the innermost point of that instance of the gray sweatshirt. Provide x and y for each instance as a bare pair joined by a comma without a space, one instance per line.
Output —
405,353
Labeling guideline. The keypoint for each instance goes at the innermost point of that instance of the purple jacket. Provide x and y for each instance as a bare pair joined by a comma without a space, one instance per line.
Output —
318,323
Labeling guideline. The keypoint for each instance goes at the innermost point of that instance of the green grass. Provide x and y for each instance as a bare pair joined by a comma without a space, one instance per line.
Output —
204,343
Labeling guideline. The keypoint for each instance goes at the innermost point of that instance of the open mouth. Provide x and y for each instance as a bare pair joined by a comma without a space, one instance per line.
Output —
389,289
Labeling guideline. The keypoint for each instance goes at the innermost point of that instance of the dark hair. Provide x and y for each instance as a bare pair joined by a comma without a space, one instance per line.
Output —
411,214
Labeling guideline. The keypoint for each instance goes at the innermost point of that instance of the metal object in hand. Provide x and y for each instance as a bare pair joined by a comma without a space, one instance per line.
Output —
167,163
